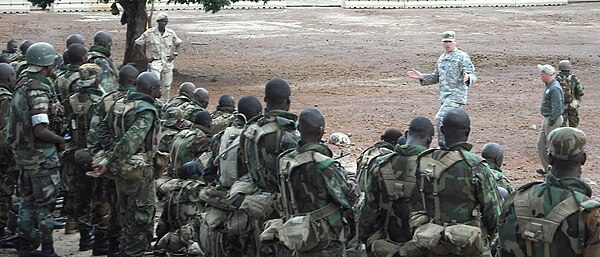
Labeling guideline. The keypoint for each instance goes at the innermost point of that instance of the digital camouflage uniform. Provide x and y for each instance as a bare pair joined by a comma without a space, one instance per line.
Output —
222,118
132,133
365,162
8,171
187,145
110,73
390,197
37,160
573,91
189,105
466,191
448,73
312,180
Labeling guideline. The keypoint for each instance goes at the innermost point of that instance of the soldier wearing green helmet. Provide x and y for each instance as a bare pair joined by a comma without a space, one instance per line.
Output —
572,90
36,147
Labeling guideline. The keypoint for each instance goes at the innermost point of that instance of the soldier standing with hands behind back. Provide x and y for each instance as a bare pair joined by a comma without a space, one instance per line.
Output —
455,73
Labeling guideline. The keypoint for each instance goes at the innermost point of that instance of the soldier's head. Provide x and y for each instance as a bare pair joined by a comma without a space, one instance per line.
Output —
226,102
187,89
75,39
311,125
249,107
202,96
41,58
449,41
566,151
203,119
4,59
493,153
277,95
148,83
127,76
162,19
391,135
456,126
77,54
11,46
8,75
24,46
420,132
103,39
564,65
401,140
546,72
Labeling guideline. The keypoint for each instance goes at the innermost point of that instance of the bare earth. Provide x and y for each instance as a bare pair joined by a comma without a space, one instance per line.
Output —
351,65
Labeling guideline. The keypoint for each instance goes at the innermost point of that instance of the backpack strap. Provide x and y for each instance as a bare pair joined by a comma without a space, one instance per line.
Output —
431,168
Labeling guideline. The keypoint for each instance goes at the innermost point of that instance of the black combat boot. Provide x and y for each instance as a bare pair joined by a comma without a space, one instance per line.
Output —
48,246
25,248
113,247
86,240
100,243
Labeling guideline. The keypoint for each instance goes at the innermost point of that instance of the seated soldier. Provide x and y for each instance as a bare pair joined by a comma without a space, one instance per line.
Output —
494,155
224,115
190,143
380,148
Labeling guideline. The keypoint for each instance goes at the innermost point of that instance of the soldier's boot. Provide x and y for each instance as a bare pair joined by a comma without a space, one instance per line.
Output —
25,248
48,246
100,243
70,226
113,247
86,240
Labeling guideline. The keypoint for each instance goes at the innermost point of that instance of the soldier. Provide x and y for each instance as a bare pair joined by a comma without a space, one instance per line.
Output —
368,156
186,100
32,111
4,59
224,115
131,126
66,82
170,126
106,187
100,54
573,91
316,185
11,49
64,62
19,62
8,172
190,143
494,155
455,73
459,194
556,217
392,193
552,110
162,47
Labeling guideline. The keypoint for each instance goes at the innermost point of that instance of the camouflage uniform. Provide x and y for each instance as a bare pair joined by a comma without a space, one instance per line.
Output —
37,160
9,55
187,145
313,185
573,91
466,191
8,171
365,162
133,134
110,73
189,105
19,64
222,118
169,128
391,195
501,179
453,90
66,82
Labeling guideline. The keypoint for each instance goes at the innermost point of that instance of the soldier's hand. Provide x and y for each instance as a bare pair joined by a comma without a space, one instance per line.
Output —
99,171
465,76
415,74
60,148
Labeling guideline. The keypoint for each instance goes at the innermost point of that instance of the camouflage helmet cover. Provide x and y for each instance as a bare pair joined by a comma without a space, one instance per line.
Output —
566,143
41,54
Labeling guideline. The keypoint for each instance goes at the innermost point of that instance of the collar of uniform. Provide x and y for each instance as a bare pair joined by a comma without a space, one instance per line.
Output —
139,96
460,146
226,109
494,166
73,67
317,147
571,183
383,144
39,77
5,86
549,84
99,49
409,150
201,128
130,87
283,114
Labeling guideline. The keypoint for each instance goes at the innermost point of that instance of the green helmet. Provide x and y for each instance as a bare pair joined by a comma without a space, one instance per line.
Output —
41,54
564,65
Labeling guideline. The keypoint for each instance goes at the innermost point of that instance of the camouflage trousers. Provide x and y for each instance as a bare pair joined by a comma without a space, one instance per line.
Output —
136,205
37,190
439,116
571,117
8,181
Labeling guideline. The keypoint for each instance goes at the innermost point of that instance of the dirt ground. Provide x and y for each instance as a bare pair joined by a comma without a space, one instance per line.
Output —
351,65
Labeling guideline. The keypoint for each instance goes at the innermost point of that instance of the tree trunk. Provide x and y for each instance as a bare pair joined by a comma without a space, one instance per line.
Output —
135,15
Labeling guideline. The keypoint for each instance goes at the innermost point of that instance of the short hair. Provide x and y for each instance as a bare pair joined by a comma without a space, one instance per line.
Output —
76,52
249,106
421,127
277,91
202,118
226,100
391,135
456,119
311,121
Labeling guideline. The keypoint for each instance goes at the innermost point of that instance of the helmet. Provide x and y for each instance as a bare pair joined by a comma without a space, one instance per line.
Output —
564,65
41,54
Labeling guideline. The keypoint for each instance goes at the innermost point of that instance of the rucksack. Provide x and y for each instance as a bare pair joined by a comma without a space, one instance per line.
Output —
366,161
565,83
227,158
81,105
182,141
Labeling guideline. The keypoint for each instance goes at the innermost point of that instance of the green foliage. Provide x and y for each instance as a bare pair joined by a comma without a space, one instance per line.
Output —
41,3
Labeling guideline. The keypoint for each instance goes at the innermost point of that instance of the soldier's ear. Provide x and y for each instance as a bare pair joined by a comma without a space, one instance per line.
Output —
550,159
583,158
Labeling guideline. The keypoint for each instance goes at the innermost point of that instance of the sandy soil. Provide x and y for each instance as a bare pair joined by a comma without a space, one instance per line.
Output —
351,65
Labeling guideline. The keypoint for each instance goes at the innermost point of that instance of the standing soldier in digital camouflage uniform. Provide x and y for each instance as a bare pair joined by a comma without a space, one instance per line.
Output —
455,73
459,194
100,54
314,183
8,171
32,110
572,90
130,127
557,217
392,194
162,47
